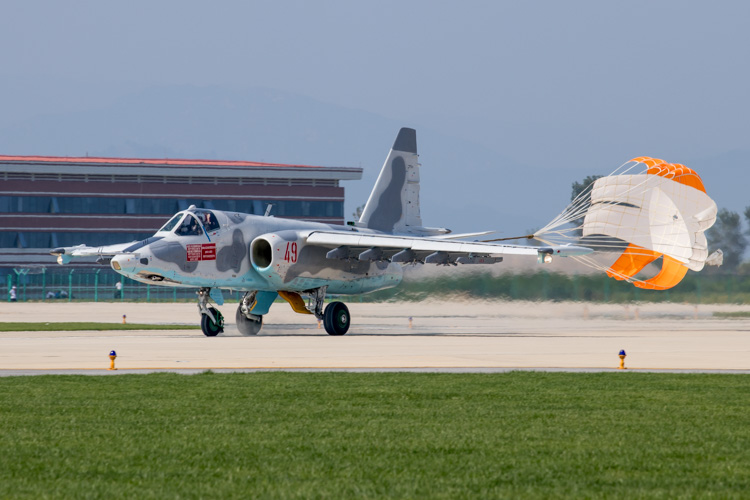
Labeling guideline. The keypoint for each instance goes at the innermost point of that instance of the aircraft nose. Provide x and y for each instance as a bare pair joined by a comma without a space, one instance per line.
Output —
123,262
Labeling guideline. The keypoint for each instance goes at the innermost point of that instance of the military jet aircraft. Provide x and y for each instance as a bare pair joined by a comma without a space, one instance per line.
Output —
267,257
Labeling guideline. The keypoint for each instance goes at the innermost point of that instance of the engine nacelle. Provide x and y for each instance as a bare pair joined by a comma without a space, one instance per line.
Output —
272,255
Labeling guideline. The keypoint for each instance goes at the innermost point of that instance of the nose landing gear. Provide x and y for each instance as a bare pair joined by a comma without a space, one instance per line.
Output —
212,327
212,321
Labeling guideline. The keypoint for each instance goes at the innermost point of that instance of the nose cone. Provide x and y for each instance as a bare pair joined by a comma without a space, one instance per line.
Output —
124,264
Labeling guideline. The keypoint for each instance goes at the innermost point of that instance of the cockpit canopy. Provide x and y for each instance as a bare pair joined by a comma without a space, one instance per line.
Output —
191,223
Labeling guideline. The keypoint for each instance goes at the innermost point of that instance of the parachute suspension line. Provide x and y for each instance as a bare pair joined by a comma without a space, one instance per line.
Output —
575,210
591,263
579,206
528,237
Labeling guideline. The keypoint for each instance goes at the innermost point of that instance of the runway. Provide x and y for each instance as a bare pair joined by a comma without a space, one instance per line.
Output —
443,336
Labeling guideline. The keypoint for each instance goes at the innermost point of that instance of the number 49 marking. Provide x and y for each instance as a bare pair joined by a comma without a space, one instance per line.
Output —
291,252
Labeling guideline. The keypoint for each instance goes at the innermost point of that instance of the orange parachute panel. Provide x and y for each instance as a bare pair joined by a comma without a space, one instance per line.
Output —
677,172
688,176
662,170
647,160
632,260
672,272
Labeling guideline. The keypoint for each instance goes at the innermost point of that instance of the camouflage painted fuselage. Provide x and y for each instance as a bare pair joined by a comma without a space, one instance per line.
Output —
248,252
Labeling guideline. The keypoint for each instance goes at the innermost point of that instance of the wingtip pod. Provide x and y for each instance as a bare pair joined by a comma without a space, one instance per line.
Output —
565,250
63,254
667,211
63,259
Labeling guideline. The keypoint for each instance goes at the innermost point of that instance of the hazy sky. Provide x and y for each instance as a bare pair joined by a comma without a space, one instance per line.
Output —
547,83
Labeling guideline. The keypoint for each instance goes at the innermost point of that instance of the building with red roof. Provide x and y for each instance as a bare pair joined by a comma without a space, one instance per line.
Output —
48,202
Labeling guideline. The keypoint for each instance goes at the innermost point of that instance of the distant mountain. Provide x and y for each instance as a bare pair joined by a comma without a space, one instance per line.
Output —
466,185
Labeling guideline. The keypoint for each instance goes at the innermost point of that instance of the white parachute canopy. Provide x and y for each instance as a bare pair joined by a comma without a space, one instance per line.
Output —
644,210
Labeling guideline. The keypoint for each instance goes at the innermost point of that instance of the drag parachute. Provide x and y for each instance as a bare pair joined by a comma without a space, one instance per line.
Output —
645,210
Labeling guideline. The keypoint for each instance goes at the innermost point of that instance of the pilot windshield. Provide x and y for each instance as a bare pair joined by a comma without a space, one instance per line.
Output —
189,227
171,224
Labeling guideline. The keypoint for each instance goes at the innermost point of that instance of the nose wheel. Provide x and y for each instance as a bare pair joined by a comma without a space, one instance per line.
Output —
212,327
212,321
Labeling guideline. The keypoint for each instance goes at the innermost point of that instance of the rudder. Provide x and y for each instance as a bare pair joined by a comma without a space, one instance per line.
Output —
393,205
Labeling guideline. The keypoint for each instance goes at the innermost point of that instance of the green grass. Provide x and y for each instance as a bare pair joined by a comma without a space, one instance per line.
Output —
396,435
51,327
735,314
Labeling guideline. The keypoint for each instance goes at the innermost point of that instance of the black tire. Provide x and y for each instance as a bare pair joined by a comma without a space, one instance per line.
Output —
211,329
336,318
247,326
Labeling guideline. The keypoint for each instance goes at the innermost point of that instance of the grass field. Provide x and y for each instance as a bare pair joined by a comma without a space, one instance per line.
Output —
370,435
79,326
735,314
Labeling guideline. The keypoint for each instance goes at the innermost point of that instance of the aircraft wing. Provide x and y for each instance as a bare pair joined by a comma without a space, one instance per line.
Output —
367,246
461,236
65,254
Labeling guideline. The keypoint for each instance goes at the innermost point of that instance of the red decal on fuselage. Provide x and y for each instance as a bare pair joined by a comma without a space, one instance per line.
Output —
208,251
197,252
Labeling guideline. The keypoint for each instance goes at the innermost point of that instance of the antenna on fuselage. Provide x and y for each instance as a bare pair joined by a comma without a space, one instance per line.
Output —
268,210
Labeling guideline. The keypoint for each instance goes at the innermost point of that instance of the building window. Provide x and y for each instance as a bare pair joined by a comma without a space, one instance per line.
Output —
27,204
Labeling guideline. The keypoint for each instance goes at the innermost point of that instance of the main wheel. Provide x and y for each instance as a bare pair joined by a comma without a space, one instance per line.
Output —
336,318
211,329
247,326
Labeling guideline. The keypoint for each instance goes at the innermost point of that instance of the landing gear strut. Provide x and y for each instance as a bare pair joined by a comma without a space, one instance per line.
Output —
247,322
336,316
212,321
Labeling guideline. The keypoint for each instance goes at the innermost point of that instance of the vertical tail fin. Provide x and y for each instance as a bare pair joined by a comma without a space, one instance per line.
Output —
393,205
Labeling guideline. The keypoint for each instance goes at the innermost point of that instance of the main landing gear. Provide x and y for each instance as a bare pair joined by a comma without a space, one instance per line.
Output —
212,321
247,322
335,317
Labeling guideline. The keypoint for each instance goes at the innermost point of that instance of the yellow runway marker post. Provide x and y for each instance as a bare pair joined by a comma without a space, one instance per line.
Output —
112,356
622,359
